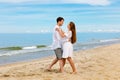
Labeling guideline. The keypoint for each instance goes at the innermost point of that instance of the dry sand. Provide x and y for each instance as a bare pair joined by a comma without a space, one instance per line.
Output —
101,63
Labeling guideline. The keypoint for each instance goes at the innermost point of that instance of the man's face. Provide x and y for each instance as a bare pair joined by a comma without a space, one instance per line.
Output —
61,22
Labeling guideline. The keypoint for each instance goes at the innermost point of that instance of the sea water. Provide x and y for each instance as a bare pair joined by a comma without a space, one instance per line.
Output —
85,40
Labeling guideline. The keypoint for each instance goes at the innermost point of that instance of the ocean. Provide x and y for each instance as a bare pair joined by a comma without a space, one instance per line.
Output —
28,42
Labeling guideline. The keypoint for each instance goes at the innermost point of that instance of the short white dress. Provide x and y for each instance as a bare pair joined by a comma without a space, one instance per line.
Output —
67,45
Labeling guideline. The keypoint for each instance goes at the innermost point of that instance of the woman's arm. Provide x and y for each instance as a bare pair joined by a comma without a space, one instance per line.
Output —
61,33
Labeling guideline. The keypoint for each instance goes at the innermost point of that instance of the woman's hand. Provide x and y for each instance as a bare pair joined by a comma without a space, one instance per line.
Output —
57,29
60,32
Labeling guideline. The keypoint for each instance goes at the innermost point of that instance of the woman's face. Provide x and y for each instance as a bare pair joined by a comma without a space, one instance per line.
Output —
68,26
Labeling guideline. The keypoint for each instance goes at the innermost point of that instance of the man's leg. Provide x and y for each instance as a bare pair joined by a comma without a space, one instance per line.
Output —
61,65
58,53
53,62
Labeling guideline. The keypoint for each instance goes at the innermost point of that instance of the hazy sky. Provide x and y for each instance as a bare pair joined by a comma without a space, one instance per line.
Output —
35,16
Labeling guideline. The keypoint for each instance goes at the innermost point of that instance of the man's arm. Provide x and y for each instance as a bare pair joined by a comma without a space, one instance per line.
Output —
57,35
61,33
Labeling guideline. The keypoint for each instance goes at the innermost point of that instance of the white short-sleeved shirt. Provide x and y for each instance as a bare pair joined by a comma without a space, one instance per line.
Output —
56,38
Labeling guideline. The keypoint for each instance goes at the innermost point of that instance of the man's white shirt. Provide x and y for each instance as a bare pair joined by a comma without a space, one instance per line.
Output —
56,38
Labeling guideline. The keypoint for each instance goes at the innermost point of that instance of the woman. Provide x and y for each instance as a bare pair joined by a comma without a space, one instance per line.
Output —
69,40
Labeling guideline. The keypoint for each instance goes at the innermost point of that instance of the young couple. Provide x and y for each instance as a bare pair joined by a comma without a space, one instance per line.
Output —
63,45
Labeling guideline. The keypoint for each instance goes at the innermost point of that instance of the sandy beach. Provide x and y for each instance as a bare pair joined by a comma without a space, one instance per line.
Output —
95,64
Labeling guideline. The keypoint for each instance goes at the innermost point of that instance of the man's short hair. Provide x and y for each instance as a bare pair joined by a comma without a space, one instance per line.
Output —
59,19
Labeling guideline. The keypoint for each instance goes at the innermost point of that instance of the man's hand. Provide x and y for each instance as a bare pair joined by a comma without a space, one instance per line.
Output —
69,40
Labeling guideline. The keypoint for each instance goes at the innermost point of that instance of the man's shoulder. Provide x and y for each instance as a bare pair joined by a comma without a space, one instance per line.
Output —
56,26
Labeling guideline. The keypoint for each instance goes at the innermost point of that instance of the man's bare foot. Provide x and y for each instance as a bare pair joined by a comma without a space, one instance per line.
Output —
61,71
74,72
48,70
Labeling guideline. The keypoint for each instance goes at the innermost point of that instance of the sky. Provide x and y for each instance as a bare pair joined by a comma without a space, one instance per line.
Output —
36,16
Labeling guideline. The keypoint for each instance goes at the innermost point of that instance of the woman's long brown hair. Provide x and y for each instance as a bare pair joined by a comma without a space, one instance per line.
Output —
73,29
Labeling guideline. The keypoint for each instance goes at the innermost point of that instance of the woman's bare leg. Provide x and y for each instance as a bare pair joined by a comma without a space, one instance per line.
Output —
61,65
64,61
72,64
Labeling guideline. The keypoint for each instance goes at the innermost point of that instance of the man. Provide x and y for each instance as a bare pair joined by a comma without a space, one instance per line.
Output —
57,45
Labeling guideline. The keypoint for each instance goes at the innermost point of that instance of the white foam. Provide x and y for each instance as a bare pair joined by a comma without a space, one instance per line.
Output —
109,40
24,51
32,47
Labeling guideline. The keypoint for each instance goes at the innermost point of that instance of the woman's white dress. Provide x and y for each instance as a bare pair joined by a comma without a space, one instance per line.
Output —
67,45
